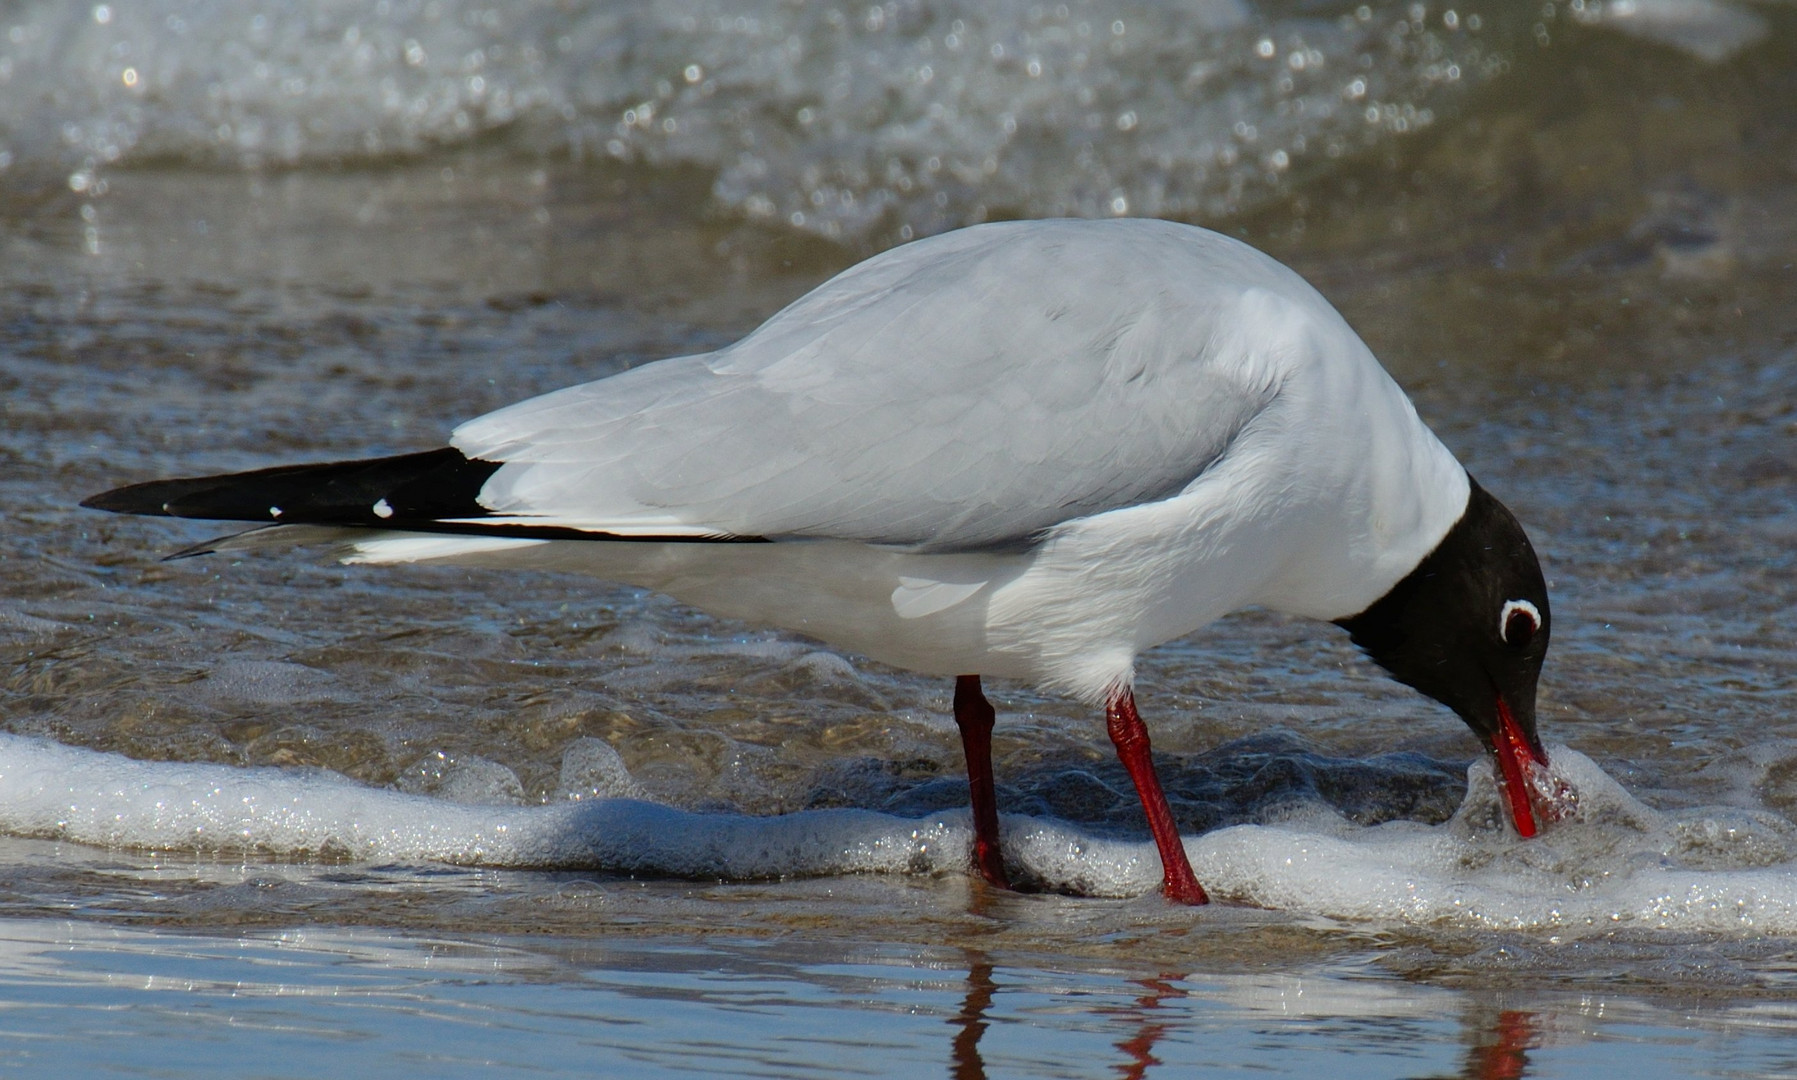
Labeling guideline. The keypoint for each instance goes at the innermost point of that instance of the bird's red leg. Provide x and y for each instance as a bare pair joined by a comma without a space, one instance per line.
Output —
974,716
1130,736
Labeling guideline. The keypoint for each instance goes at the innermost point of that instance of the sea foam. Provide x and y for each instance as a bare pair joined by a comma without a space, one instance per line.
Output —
849,121
1614,863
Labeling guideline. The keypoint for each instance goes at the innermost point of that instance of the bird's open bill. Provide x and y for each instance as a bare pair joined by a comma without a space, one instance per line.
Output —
1530,791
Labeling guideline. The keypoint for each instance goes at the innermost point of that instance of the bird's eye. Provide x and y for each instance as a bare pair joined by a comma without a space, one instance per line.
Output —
1518,622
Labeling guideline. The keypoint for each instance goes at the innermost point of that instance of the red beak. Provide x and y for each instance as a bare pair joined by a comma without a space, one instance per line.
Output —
1517,760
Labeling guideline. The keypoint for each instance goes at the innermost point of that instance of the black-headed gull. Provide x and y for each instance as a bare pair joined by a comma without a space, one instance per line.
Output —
1025,449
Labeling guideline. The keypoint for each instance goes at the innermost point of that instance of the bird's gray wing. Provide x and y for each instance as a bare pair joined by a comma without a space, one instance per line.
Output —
968,391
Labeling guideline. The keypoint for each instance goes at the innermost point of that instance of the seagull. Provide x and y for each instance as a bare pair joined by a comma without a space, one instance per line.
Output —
1029,450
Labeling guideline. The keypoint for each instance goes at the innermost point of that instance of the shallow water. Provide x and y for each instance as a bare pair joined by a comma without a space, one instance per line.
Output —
1580,266
629,1006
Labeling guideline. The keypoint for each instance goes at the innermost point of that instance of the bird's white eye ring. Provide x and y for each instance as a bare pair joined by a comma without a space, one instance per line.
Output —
1527,624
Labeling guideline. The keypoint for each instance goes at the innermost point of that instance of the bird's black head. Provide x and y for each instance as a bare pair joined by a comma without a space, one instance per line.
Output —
1469,627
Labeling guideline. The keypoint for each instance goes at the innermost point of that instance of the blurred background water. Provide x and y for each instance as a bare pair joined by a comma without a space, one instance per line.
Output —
239,235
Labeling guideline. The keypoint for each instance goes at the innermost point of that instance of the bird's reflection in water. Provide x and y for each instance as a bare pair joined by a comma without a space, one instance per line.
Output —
965,1062
1498,1043
1499,1046
1146,1025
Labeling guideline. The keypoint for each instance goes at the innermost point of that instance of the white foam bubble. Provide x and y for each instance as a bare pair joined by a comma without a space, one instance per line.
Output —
265,682
1615,863
591,768
463,778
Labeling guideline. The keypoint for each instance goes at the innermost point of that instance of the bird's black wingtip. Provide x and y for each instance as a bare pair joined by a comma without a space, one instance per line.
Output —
376,492
145,498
